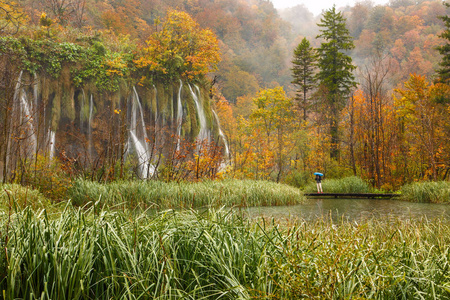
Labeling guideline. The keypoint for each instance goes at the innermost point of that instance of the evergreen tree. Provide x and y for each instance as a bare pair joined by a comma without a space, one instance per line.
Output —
303,72
335,69
444,71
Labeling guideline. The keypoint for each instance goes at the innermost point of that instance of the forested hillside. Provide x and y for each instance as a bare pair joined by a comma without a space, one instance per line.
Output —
254,40
257,41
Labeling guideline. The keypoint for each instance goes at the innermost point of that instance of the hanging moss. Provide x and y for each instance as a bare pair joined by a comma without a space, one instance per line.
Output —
204,95
164,100
67,92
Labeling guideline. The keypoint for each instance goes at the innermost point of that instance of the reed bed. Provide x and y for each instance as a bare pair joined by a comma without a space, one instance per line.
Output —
352,184
427,192
161,195
21,196
90,254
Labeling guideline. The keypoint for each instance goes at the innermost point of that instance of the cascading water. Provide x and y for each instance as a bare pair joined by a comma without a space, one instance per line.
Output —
146,169
203,133
222,136
25,112
91,115
141,114
139,140
179,115
36,98
51,143
227,161
156,117
83,101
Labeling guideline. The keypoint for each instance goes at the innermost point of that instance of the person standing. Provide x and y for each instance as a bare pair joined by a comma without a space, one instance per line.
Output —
319,184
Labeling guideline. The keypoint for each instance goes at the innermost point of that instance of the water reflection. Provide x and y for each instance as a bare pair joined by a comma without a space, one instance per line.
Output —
353,210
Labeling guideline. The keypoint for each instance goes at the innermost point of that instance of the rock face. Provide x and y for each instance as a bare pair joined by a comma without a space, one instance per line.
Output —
136,124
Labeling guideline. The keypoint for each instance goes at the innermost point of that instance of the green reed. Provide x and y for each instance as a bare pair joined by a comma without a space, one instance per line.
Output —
346,185
218,254
427,192
21,197
158,194
112,255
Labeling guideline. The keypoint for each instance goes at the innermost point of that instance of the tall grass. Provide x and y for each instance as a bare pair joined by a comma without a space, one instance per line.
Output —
218,255
427,192
160,194
374,260
21,197
116,256
345,185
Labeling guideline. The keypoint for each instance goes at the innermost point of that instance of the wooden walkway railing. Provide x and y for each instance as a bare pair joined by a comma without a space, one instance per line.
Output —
351,195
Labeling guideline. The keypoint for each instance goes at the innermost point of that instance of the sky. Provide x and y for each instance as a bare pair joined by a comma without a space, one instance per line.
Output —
316,6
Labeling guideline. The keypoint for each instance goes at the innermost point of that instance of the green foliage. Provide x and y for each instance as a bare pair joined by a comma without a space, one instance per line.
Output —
427,192
298,179
347,185
335,69
19,197
335,66
304,62
87,62
52,178
162,195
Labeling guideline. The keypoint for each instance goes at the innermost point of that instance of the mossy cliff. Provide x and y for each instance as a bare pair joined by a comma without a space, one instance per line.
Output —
84,92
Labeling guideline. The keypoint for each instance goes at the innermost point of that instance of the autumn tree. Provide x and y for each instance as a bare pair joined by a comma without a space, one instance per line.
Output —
180,48
374,84
11,17
61,9
444,50
304,63
335,69
273,117
424,123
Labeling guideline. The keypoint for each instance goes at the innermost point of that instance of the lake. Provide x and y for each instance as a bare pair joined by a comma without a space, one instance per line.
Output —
353,210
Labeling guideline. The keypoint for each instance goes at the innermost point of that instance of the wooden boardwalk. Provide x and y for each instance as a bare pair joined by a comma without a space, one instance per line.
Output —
350,195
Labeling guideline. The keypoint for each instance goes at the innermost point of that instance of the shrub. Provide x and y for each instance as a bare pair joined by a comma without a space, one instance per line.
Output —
298,179
19,197
52,179
347,185
427,192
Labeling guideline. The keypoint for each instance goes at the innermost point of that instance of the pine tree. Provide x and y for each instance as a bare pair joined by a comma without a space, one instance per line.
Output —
335,69
444,71
304,62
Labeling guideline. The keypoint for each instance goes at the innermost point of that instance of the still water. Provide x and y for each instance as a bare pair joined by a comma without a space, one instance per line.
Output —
353,210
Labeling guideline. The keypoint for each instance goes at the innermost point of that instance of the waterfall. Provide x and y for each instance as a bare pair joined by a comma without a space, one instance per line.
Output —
141,113
203,133
25,112
145,167
91,115
36,98
25,108
52,141
83,100
222,136
140,141
156,116
179,116
18,85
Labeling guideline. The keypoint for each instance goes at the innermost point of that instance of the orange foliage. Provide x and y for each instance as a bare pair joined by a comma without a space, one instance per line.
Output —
180,46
